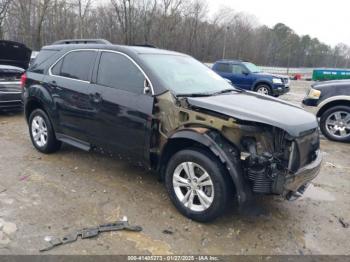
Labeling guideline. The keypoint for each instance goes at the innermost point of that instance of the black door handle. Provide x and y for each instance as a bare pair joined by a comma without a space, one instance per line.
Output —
96,97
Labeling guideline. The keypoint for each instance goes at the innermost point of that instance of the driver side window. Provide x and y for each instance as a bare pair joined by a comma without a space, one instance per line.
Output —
117,71
237,69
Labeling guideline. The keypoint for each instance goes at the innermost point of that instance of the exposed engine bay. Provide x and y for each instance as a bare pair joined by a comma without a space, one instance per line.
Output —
269,155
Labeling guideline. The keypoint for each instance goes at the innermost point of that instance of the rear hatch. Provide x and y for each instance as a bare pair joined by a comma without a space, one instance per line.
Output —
14,60
14,54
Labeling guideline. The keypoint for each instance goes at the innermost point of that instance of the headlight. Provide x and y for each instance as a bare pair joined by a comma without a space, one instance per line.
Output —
314,94
276,80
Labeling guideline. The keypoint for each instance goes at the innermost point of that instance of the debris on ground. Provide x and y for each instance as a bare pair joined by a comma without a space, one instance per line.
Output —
90,233
342,221
2,189
23,178
329,164
168,232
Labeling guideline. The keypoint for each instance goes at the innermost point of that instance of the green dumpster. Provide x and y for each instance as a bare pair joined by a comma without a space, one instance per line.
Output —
322,74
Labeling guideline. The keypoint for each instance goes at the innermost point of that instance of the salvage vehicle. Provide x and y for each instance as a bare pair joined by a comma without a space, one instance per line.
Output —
14,59
330,102
248,76
211,143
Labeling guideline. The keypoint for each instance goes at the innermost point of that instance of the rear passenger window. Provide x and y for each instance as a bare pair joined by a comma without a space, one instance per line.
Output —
56,70
77,65
224,68
117,71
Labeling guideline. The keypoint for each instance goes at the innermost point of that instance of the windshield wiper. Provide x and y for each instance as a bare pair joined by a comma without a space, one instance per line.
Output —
224,91
235,89
194,95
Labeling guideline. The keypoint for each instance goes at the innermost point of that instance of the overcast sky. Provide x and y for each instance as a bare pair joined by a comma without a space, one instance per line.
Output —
328,20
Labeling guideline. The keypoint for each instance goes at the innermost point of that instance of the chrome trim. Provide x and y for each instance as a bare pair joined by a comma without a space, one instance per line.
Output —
133,61
11,92
59,59
10,101
331,99
99,50
10,83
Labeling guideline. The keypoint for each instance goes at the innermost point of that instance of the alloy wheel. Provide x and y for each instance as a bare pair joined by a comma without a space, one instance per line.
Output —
39,131
263,90
338,124
193,186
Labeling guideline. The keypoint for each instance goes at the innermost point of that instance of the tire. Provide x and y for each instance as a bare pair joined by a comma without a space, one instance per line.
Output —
218,187
263,89
335,123
40,124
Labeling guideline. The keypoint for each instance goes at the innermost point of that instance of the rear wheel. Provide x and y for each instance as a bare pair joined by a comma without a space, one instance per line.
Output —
263,89
197,185
335,123
42,133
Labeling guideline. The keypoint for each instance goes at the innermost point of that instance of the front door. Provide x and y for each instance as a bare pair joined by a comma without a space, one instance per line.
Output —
125,115
240,77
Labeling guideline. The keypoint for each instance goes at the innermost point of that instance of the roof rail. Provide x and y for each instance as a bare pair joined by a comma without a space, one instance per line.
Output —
82,41
145,45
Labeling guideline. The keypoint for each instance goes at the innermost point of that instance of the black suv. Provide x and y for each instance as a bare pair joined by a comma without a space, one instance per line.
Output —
330,102
210,142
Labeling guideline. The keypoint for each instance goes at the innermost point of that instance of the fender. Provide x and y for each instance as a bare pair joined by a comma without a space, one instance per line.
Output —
329,100
40,95
262,81
226,152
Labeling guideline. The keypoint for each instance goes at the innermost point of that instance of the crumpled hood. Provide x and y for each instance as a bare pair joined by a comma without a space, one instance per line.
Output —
253,107
14,54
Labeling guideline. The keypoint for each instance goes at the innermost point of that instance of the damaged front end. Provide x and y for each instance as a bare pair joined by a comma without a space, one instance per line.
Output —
268,159
276,163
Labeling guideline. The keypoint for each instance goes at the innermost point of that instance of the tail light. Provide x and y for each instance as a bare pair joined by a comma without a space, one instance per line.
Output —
23,80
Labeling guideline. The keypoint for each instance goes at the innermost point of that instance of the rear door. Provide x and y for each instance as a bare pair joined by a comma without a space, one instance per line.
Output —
224,70
125,115
69,79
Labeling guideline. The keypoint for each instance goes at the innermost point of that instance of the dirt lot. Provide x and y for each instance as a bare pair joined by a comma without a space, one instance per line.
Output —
52,195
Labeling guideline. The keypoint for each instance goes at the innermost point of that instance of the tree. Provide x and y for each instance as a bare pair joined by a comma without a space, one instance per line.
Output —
4,5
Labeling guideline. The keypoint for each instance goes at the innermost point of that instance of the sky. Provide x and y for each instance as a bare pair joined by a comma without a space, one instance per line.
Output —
328,20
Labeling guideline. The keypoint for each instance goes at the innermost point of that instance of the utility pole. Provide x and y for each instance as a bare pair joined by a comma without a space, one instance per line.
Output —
225,37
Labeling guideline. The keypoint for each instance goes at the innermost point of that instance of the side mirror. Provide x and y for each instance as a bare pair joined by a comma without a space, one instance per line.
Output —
245,72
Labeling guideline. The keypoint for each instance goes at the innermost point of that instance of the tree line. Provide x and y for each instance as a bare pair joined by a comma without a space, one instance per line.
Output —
179,25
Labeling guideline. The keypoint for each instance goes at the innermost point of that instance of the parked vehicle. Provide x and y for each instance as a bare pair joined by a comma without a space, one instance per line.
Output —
208,141
330,102
248,76
14,59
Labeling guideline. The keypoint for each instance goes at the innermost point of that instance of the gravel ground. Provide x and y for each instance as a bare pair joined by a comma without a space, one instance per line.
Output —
52,195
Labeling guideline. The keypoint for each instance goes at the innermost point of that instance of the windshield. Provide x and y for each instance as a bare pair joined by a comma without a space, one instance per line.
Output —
184,75
252,68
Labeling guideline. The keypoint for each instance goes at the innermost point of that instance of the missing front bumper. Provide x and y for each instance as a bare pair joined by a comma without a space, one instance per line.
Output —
298,182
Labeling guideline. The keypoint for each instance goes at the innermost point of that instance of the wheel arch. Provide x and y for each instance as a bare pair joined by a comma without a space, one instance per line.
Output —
262,82
190,138
330,104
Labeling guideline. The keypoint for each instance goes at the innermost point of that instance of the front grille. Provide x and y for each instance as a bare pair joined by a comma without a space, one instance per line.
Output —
286,81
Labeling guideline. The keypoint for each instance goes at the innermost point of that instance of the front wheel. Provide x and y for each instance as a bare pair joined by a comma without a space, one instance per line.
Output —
335,123
197,185
263,89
